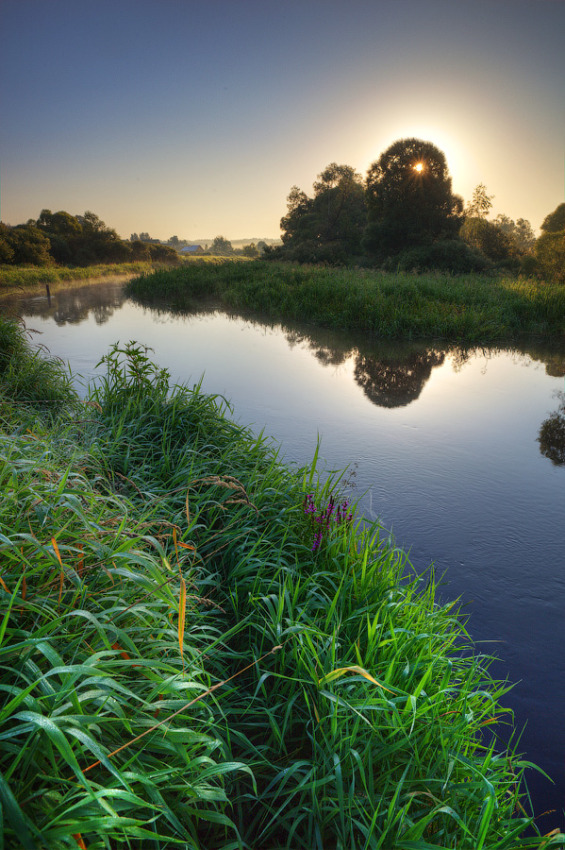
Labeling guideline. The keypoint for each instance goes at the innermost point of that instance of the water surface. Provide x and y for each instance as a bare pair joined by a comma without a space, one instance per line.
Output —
442,445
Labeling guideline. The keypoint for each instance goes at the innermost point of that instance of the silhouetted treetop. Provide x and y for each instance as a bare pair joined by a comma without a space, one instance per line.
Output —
409,199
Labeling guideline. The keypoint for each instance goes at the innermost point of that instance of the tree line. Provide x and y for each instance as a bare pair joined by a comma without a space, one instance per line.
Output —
404,215
74,240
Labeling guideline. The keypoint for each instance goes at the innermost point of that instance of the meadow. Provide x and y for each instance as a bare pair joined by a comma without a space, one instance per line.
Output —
203,647
471,308
24,277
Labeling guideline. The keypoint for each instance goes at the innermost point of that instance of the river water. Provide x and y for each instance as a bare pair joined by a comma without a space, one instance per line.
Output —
442,444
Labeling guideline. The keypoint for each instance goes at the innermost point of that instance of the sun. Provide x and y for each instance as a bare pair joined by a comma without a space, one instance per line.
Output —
419,167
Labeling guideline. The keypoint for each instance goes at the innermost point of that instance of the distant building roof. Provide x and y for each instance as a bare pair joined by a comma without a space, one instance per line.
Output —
190,249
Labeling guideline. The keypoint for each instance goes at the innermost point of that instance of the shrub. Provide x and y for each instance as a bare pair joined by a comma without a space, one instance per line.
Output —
449,255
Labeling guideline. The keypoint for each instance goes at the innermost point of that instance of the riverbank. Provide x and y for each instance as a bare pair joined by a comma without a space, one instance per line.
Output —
466,308
203,645
15,278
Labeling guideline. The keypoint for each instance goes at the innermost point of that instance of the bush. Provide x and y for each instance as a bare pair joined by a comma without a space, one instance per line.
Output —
484,236
449,255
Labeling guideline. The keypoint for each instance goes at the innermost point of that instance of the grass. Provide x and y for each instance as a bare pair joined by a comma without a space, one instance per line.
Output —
30,276
197,651
470,308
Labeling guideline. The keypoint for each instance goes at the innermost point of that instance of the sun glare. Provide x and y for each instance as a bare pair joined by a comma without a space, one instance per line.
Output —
419,167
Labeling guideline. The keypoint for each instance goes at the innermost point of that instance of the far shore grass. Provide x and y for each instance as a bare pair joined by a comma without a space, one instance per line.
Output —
475,308
30,277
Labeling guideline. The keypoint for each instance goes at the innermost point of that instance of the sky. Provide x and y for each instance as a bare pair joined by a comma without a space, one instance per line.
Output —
195,119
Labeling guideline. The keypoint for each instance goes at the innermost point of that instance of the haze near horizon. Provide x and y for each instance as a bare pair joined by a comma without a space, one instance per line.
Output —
194,119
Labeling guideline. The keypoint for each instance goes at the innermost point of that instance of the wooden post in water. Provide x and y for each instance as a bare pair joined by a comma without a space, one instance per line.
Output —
48,294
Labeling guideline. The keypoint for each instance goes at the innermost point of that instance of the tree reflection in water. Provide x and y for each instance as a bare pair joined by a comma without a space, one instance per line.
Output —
551,437
396,383
73,305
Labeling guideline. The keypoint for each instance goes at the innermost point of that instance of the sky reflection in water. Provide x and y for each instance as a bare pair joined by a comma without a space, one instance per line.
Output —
443,447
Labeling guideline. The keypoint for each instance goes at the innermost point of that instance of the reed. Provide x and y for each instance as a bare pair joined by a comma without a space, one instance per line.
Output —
181,667
471,308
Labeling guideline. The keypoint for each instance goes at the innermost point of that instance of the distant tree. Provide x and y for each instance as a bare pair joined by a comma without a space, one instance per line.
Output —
221,246
64,224
250,250
163,254
140,251
6,250
481,203
409,198
174,242
519,232
134,237
555,221
145,237
261,245
91,223
30,246
484,236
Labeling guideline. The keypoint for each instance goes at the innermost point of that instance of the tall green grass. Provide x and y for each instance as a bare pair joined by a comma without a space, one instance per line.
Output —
181,666
472,308
28,276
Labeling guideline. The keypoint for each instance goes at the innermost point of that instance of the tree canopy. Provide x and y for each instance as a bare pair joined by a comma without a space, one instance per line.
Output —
555,221
328,226
409,199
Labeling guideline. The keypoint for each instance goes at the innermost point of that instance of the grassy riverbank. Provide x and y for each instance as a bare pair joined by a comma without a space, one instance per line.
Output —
201,647
470,308
17,277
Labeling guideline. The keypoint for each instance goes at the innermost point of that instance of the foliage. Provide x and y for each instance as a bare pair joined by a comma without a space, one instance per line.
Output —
251,251
80,240
222,247
480,204
550,254
327,227
29,378
409,199
181,669
25,244
486,238
448,255
554,222
552,435
519,232
475,308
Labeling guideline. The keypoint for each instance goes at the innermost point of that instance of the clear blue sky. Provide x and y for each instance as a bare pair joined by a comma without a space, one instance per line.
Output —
196,118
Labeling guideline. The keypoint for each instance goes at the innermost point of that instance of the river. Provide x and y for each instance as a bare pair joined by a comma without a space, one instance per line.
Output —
442,445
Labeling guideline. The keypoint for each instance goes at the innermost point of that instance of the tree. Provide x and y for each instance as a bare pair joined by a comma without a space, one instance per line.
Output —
30,246
555,221
481,204
329,226
550,254
409,199
6,250
221,246
250,250
520,232
484,236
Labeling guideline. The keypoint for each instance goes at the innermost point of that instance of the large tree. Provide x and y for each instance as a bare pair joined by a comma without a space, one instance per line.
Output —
329,225
555,221
409,199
